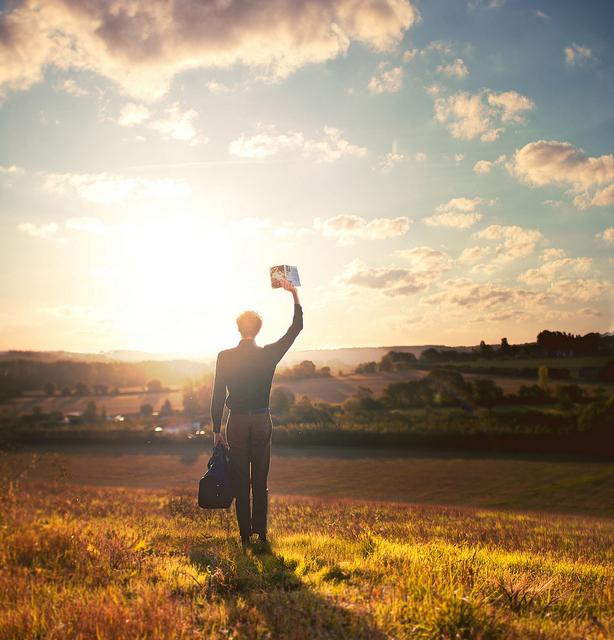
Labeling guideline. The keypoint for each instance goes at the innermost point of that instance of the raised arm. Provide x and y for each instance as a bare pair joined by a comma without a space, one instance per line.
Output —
282,345
218,397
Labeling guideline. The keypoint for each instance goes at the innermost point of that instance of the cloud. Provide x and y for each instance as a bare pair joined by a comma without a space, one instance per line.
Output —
38,230
553,268
553,254
572,291
488,4
386,81
458,213
391,281
70,86
464,292
426,260
516,241
485,166
104,188
173,124
473,254
547,162
348,228
142,45
456,69
88,224
409,55
133,114
576,54
267,143
607,235
481,115
390,160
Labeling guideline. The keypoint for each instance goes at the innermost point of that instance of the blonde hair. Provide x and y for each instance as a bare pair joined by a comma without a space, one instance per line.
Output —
249,324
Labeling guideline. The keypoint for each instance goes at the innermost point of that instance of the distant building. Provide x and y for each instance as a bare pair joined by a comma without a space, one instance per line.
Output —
588,373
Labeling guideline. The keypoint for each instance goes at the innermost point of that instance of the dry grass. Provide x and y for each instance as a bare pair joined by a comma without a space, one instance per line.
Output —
123,563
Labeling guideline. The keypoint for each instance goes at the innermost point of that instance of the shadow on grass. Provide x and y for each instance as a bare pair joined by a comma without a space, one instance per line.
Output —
264,598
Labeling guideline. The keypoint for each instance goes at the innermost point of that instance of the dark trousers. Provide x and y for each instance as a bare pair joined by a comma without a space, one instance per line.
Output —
249,438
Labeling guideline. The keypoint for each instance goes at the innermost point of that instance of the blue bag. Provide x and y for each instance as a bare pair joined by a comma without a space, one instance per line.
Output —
215,490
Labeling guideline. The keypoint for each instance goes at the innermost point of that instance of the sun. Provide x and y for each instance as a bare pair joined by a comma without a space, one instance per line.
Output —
175,287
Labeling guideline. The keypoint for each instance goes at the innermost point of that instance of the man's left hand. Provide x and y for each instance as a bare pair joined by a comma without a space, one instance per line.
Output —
219,437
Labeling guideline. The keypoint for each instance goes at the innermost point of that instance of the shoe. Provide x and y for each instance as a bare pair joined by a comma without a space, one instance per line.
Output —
262,545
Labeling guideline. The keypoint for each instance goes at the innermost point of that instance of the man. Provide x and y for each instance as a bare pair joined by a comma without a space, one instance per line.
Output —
243,378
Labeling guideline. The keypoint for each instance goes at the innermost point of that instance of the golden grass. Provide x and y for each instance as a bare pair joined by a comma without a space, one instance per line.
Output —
117,564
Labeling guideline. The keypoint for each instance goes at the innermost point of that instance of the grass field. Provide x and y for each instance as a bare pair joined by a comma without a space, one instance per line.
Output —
123,563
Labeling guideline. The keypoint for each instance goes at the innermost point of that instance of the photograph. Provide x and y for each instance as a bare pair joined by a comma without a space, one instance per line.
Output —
413,439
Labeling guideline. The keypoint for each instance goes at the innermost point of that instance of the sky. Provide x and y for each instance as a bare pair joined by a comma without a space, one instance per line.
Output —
441,172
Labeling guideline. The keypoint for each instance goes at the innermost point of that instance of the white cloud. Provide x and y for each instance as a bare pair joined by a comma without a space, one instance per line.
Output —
576,54
348,228
554,268
458,213
572,291
485,166
142,45
88,224
390,160
133,114
389,81
174,123
553,254
459,157
542,15
516,241
607,235
547,162
473,254
38,230
267,143
481,115
70,86
104,188
456,69
426,260
390,280
409,55
420,156
464,292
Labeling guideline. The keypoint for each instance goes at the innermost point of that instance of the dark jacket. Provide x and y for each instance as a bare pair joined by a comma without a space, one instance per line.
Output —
246,373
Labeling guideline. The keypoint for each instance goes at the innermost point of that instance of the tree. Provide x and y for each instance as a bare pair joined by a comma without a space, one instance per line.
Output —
366,367
154,386
65,392
146,410
386,364
486,392
281,400
49,388
485,350
167,408
542,375
90,413
82,389
505,348
324,372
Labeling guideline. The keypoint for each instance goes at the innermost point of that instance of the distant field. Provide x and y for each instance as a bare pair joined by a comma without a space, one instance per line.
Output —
333,390
117,564
465,479
573,364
